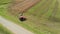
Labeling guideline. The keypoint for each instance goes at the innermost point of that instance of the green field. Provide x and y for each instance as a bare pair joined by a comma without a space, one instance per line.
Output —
4,30
43,18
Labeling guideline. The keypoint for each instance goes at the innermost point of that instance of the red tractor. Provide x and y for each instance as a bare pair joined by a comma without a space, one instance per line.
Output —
22,18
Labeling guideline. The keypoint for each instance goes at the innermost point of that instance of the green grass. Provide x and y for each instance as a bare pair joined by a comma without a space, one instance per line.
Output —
38,17
4,30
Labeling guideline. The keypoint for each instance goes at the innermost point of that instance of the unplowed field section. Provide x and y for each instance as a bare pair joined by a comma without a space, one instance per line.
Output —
17,7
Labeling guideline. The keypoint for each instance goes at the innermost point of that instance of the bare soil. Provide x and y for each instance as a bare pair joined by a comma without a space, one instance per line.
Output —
18,6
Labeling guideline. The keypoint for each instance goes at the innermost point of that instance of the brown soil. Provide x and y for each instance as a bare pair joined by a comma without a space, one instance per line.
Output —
18,6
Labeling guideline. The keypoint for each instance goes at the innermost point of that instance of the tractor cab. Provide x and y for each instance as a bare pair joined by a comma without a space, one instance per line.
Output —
22,18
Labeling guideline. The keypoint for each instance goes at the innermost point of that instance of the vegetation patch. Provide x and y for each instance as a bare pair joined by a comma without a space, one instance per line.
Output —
37,17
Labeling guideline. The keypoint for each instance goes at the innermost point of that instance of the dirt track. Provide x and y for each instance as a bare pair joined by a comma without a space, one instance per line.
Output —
16,29
21,6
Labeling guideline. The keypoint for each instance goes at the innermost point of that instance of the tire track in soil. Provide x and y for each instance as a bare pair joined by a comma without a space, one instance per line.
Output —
43,7
46,10
31,18
52,16
40,6
41,16
55,9
35,19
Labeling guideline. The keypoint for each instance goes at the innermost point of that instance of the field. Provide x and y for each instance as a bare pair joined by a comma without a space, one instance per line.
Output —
42,18
3,30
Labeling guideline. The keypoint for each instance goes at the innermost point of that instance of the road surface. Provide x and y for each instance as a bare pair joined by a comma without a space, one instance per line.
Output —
13,27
